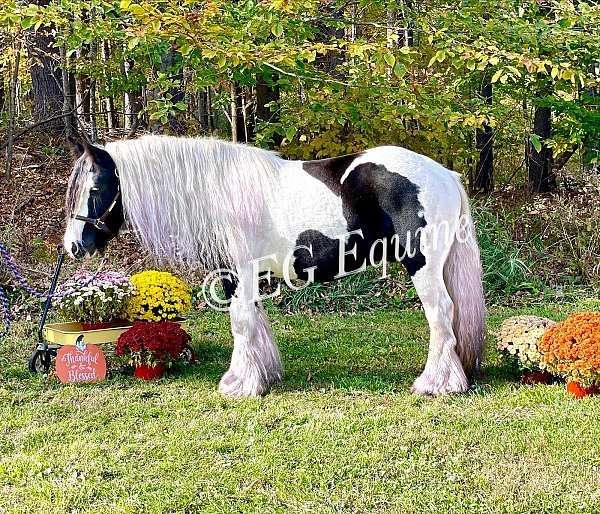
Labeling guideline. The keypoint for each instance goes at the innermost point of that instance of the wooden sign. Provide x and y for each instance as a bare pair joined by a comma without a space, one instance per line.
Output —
80,363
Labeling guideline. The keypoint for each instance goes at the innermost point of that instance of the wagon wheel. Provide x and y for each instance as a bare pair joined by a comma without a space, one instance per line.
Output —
40,361
188,355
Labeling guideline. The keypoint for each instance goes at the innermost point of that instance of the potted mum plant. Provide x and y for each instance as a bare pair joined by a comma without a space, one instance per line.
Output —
159,295
151,347
572,349
96,300
518,339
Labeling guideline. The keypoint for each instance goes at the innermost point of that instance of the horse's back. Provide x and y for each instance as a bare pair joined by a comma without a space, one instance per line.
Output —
428,175
378,193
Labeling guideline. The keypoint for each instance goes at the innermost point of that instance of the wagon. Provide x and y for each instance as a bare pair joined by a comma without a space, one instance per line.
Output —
55,335
52,336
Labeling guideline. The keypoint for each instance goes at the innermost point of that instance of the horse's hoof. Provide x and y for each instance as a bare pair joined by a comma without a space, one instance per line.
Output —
427,385
234,387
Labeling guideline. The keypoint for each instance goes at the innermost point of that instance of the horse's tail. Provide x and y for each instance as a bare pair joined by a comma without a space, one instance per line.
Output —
463,279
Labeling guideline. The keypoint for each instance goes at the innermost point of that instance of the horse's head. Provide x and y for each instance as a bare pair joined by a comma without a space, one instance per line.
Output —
93,207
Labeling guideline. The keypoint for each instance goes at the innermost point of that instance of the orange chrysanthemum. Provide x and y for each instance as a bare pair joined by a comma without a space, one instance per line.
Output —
572,348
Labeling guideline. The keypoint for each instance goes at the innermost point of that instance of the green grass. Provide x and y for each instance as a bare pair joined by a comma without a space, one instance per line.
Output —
341,434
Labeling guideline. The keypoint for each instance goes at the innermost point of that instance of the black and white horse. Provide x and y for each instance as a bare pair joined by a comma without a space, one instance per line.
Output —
224,205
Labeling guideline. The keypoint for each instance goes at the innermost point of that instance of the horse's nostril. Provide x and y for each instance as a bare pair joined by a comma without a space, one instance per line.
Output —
77,249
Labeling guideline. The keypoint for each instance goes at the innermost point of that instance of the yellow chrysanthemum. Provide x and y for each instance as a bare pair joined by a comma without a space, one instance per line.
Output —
159,295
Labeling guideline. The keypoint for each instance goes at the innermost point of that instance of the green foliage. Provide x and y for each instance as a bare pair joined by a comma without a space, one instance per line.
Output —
347,80
360,292
506,269
41,251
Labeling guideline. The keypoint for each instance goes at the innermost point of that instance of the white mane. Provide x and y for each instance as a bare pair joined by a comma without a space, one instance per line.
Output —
194,200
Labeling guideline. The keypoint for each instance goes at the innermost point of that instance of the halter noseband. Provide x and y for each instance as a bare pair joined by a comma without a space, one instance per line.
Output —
100,223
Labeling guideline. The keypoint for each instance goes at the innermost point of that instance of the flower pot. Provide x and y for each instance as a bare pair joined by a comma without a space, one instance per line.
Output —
578,391
146,372
536,377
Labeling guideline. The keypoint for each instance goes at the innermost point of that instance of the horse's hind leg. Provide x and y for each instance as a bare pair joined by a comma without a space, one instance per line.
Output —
443,371
255,362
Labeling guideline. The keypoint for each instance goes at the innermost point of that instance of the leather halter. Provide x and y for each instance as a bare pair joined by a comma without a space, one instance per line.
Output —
100,223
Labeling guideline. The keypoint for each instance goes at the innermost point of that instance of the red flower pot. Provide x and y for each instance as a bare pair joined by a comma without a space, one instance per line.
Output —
536,377
146,372
578,391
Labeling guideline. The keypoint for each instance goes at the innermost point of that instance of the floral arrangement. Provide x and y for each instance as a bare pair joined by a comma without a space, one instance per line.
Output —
94,297
152,344
159,295
572,348
518,339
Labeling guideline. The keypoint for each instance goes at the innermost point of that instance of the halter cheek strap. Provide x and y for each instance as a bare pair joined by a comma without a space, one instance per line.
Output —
100,223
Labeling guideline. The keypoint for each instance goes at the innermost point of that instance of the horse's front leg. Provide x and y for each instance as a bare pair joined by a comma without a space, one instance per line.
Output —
255,362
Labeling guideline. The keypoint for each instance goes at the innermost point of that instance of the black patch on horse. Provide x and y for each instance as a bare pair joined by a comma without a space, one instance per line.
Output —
330,171
381,204
229,283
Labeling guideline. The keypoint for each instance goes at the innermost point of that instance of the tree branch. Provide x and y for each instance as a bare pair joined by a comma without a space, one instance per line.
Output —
564,157
37,124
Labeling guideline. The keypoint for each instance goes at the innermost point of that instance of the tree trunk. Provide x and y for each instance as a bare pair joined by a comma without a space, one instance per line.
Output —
483,179
210,114
168,66
2,92
12,102
406,35
93,84
233,112
351,30
539,164
82,97
66,88
93,119
82,91
266,94
46,76
202,109
108,101
540,170
109,108
591,141
131,105
329,62
396,12
244,131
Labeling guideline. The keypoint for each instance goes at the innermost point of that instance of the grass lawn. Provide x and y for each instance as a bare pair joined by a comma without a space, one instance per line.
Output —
341,434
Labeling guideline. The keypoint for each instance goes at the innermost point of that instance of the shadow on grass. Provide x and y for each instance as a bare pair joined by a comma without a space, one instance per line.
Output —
342,362
313,368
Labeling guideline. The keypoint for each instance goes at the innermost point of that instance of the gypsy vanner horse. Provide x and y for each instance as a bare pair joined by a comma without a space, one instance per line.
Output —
208,202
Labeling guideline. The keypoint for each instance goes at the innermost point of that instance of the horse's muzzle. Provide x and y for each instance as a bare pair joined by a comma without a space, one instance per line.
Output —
78,250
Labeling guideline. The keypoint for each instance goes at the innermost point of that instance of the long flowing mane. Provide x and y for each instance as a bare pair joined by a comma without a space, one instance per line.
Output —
193,200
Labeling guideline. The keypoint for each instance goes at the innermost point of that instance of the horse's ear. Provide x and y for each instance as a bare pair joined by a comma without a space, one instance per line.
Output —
98,156
78,147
